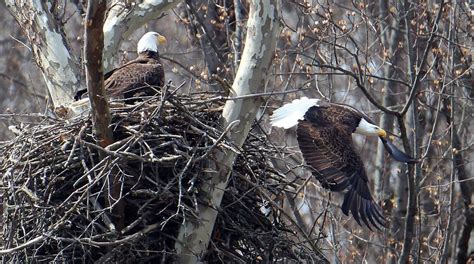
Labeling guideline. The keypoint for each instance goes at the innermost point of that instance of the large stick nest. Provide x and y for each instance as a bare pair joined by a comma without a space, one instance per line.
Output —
59,189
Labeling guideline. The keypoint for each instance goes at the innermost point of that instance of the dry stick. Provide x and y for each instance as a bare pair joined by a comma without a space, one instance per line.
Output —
85,190
128,238
24,245
30,115
219,98
281,210
180,189
224,84
74,146
220,139
107,221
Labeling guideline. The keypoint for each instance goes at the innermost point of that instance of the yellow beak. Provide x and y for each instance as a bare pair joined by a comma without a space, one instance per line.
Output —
382,133
161,39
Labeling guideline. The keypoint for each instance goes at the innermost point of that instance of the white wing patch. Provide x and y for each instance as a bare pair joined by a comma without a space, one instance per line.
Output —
288,115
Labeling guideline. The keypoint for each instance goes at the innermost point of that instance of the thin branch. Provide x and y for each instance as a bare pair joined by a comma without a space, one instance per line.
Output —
24,245
361,87
417,77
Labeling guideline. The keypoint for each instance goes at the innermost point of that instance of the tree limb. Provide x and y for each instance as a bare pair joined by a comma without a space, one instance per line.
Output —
262,30
93,45
415,75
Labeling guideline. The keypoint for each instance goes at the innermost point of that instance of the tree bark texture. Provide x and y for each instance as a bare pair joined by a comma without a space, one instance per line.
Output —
262,31
93,46
50,49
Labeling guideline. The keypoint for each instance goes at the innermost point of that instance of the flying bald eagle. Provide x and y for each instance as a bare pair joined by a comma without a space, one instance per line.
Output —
136,76
324,133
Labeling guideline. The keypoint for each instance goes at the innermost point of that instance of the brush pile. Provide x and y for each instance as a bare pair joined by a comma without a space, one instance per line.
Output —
60,189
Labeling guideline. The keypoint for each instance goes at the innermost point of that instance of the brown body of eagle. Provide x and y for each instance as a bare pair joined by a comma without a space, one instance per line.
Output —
141,76
325,141
138,77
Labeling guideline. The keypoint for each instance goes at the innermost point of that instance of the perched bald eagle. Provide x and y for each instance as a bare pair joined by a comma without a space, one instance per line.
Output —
324,133
137,77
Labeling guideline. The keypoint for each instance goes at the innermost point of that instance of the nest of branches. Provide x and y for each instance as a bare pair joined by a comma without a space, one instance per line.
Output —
64,196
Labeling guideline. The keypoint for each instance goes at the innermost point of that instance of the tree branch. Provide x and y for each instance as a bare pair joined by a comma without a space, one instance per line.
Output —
416,77
93,46
93,38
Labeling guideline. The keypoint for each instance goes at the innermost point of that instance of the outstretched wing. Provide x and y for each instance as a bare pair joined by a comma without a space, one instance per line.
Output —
330,152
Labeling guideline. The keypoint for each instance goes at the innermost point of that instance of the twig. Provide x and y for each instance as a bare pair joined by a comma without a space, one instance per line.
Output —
24,245
219,140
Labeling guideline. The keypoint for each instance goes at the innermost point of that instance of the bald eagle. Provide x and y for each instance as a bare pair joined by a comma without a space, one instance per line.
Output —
324,134
140,76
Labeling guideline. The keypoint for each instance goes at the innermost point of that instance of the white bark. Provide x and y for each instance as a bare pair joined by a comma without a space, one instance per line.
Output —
60,70
122,20
262,31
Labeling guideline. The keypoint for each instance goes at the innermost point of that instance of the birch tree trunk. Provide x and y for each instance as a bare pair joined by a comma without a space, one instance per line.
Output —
59,67
262,31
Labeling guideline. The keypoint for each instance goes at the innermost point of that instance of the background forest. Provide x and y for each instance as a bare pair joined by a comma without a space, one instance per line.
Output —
407,64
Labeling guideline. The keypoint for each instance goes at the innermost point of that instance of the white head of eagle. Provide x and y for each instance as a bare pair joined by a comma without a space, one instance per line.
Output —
150,42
